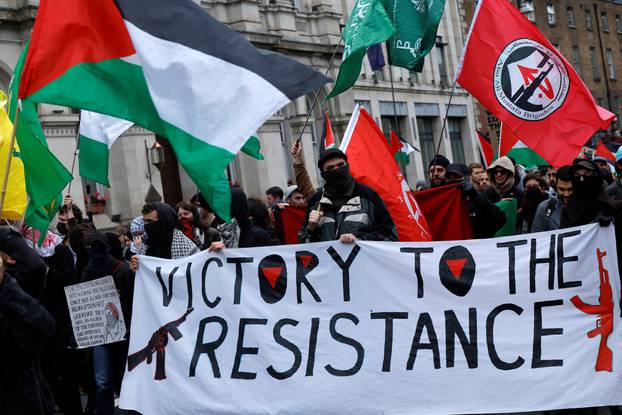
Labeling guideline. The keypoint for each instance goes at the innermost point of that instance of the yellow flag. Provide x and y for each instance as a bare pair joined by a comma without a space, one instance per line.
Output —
15,199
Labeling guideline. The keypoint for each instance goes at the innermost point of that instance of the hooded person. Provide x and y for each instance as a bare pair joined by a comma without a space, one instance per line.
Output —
139,237
108,359
344,209
503,182
165,240
590,203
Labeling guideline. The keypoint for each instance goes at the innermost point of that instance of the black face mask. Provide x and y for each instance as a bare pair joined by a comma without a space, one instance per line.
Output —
61,228
337,180
587,187
154,233
533,193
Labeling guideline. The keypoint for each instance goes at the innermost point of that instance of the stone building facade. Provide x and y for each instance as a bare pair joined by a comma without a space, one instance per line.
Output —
309,31
588,34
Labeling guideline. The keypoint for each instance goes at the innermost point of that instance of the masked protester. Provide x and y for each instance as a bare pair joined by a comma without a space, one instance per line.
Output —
437,169
589,202
188,215
549,212
109,359
344,209
486,218
535,193
165,240
25,328
139,237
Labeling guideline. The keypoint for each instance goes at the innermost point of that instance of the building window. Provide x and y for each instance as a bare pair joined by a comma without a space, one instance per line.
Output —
365,104
297,4
550,12
426,138
576,60
604,22
610,66
599,100
588,20
526,8
455,138
618,24
442,63
594,63
570,13
379,75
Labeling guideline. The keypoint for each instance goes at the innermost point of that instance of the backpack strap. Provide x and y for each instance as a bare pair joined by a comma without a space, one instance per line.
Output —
549,209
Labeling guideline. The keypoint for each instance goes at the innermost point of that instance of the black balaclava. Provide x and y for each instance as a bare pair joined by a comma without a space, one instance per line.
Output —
61,228
338,181
160,232
98,249
587,187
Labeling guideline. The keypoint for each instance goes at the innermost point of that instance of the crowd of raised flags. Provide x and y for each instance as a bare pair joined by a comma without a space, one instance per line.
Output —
207,90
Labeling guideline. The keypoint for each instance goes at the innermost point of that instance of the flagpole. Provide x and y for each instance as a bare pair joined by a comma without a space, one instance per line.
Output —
75,152
317,93
438,148
5,181
397,122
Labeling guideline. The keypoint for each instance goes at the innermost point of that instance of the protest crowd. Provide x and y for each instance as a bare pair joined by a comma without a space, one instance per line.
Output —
44,372
46,369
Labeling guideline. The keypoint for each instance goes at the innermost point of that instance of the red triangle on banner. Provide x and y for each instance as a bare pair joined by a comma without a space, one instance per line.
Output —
272,274
456,266
306,260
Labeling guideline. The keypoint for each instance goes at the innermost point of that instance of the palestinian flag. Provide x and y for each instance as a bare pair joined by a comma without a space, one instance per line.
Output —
485,147
97,133
168,66
328,138
510,145
401,149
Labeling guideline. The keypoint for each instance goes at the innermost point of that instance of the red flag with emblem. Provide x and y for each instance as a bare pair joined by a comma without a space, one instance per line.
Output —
603,151
526,83
372,164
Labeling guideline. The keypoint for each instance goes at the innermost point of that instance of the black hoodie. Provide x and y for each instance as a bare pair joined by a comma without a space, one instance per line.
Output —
160,232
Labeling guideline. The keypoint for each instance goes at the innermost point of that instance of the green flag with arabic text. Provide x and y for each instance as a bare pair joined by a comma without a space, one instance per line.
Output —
368,25
416,23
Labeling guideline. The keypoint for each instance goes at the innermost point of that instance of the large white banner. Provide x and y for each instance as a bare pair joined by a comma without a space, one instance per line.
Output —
529,322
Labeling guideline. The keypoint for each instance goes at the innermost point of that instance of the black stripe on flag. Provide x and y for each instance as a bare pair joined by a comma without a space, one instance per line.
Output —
186,23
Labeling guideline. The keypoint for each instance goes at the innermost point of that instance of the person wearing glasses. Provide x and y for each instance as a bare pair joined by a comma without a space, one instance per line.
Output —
344,209
503,184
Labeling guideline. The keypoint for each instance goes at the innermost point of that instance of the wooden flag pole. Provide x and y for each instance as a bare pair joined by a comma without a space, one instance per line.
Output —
317,93
397,123
5,181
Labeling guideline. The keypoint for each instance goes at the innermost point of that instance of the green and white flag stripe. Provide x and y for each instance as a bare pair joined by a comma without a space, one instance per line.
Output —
526,156
97,134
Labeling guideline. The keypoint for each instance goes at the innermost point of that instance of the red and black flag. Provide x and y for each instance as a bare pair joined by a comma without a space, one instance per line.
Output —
519,76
